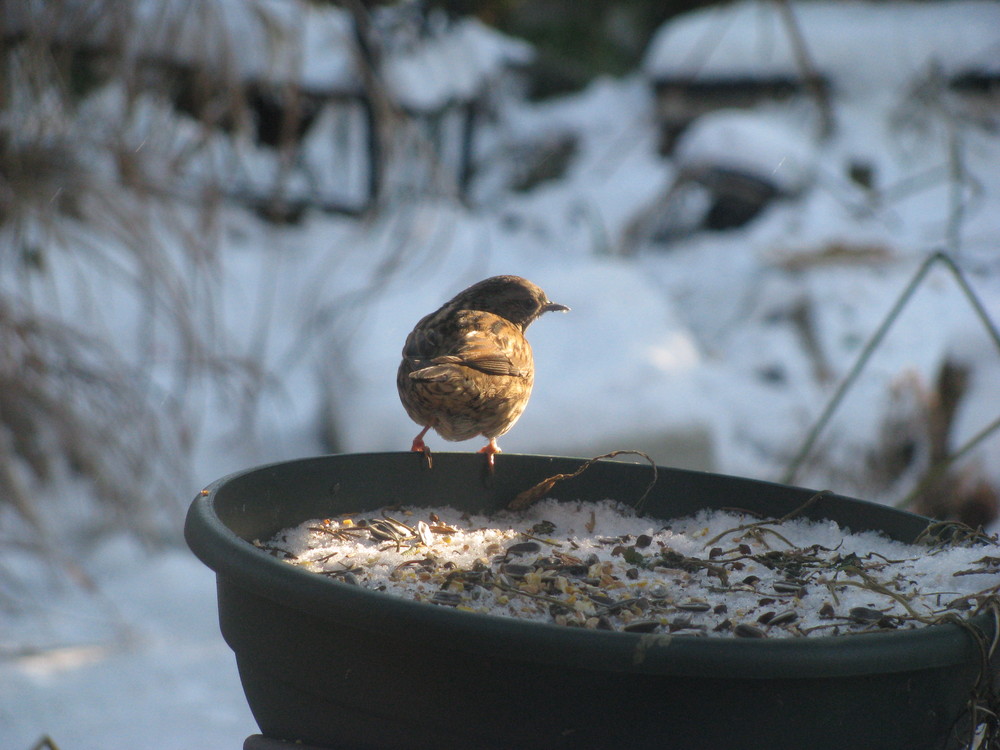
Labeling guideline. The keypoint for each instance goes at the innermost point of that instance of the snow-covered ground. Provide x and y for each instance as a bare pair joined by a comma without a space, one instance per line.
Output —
695,352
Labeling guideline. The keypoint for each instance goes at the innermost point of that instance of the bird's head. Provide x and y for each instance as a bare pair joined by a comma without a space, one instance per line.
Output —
510,297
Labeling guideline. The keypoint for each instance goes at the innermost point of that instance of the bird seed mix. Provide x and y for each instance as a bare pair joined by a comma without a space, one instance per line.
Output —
602,566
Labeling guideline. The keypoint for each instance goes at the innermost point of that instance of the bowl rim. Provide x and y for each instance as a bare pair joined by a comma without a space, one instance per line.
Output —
239,563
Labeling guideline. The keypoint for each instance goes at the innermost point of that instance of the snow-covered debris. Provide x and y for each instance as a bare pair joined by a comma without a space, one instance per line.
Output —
732,164
290,42
752,143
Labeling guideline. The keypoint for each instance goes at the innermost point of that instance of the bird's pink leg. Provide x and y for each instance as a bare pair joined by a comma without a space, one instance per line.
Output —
491,449
419,446
418,441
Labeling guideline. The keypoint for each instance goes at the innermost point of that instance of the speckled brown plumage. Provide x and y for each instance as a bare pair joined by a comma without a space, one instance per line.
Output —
467,368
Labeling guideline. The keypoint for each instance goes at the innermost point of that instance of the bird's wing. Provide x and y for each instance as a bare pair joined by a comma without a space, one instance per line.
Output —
486,348
489,346
489,362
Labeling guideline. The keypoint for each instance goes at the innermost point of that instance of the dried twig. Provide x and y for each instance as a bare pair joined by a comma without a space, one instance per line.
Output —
937,470
766,524
45,743
529,496
810,76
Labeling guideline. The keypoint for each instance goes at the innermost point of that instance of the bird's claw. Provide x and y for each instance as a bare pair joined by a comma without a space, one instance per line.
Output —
427,455
490,449
419,446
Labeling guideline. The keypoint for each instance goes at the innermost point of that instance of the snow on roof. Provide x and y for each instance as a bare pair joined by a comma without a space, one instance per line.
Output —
847,41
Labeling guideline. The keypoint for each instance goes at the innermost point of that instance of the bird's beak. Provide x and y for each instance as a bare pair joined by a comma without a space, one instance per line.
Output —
553,307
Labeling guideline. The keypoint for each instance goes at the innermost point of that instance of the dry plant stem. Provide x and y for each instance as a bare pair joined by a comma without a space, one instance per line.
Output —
529,496
937,471
764,525
984,703
760,527
875,341
872,585
19,494
807,68
942,532
959,176
960,180
381,109
389,123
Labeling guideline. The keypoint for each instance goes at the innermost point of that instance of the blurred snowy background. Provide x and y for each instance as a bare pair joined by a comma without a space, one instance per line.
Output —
219,220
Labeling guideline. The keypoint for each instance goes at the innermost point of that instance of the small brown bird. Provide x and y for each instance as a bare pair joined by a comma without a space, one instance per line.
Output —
467,368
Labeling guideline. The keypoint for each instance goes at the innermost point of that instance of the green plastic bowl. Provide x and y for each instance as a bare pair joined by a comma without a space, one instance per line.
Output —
334,665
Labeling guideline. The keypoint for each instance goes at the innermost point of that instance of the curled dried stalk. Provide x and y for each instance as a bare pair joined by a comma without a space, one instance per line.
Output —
533,494
765,526
869,583
952,533
984,701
